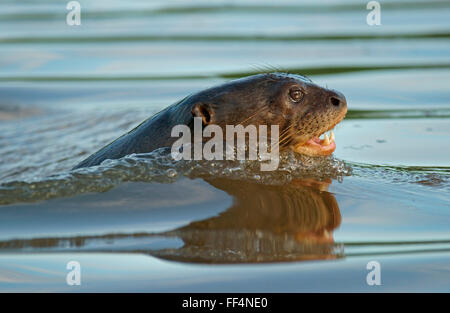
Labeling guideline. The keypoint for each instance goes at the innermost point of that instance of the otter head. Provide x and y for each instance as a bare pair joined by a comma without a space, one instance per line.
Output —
302,110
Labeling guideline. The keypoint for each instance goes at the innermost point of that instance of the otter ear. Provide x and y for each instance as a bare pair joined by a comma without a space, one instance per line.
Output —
203,111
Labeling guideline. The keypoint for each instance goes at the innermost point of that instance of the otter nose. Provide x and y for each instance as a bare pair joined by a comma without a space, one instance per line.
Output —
337,99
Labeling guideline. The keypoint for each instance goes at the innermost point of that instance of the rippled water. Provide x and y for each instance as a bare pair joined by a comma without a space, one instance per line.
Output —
144,222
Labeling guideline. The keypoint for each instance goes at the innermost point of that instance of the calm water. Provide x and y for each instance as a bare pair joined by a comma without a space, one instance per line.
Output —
147,223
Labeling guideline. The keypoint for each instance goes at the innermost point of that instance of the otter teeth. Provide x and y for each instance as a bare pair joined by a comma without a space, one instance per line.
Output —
326,141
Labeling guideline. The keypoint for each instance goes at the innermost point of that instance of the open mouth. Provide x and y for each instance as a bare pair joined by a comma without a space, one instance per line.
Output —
316,146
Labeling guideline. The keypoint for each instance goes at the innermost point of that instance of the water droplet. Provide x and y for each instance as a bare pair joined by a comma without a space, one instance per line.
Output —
171,172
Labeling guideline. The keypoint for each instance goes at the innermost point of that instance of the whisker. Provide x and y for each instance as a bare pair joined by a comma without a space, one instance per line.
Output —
283,136
253,115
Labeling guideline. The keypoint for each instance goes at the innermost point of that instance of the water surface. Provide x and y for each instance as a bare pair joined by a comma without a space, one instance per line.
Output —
147,223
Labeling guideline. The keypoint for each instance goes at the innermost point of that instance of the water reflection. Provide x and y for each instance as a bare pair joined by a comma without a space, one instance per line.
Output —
264,224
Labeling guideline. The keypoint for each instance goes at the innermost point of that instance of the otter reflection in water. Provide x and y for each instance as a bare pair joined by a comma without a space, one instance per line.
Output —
264,224
290,222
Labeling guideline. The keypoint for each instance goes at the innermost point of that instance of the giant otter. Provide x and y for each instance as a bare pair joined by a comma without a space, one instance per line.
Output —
302,110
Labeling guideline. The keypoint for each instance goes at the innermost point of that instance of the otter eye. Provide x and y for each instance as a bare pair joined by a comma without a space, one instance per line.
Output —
296,94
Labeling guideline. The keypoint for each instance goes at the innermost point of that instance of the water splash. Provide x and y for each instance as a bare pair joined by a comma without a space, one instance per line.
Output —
436,177
159,166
